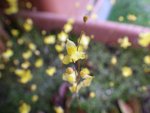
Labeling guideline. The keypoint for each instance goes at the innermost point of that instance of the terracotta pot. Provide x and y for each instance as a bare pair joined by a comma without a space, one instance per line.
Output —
73,8
104,31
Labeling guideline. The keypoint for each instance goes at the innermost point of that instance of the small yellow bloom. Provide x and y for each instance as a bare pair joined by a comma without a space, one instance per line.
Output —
49,39
61,56
7,54
24,108
84,72
68,27
62,36
59,47
121,18
86,82
51,71
13,7
73,53
89,7
39,63
124,42
74,88
35,98
131,17
92,94
147,59
32,46
127,71
15,32
28,5
84,41
69,75
28,24
114,60
26,55
58,109
20,41
144,39
33,87
25,75
25,65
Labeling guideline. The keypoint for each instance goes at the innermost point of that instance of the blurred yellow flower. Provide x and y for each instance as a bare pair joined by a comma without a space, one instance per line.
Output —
59,47
25,65
86,82
84,72
50,39
144,39
124,42
74,88
13,7
24,108
38,63
28,25
92,95
73,53
69,75
7,54
33,87
20,41
121,18
2,66
131,17
15,32
147,59
51,71
126,71
89,7
35,98
58,109
32,46
26,55
61,56
25,75
68,27
113,60
62,36
84,41
28,5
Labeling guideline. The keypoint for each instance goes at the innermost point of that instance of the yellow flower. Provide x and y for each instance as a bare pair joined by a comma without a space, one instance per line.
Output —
69,75
32,46
92,94
58,109
62,36
121,18
20,41
28,24
86,82
13,7
59,47
144,39
73,53
61,56
35,98
114,60
68,27
49,39
26,55
147,59
7,54
25,65
127,71
84,72
51,71
132,17
84,41
39,63
33,87
89,7
24,108
74,88
25,75
15,32
124,42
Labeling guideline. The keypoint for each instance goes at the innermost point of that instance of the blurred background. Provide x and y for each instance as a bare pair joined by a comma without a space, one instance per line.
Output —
116,36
